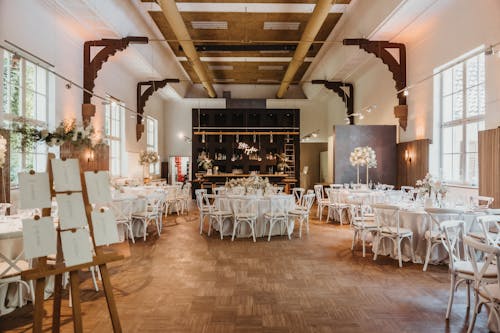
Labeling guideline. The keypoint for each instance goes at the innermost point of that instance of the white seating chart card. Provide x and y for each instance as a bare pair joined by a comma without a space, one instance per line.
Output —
98,187
105,229
34,190
76,247
39,237
66,175
71,210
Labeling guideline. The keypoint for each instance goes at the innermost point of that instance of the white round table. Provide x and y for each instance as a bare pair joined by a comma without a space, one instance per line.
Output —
263,206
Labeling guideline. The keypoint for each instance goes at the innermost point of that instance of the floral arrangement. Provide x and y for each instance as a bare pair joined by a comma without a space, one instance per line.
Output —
282,161
363,156
429,185
250,183
148,157
3,150
204,162
67,131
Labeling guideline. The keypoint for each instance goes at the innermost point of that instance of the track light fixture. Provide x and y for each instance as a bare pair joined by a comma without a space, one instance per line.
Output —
308,136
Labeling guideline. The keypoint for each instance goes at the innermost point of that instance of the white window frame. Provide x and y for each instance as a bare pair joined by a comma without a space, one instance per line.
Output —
464,120
114,117
152,142
39,154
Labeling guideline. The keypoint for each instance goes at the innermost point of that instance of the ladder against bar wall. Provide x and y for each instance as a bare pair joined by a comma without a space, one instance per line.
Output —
290,157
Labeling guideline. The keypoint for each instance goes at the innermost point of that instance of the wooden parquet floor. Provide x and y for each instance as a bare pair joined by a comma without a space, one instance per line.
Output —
184,282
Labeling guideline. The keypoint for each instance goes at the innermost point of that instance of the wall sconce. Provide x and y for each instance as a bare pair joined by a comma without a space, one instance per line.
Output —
271,138
237,138
90,155
220,138
203,138
187,139
407,156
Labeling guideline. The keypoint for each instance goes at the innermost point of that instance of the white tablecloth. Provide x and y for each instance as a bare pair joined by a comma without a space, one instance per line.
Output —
11,245
418,221
369,197
264,206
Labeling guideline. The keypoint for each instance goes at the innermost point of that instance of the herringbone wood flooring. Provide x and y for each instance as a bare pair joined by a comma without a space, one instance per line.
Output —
184,282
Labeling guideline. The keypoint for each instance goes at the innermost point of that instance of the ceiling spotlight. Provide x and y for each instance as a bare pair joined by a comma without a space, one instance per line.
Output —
180,135
489,51
406,92
361,116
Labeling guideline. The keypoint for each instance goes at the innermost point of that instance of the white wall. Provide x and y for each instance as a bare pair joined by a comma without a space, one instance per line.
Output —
449,29
58,39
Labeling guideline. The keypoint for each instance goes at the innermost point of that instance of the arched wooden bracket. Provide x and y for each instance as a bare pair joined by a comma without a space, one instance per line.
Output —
347,97
142,98
92,66
381,50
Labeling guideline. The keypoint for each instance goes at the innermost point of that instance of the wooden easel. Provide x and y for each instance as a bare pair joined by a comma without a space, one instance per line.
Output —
43,269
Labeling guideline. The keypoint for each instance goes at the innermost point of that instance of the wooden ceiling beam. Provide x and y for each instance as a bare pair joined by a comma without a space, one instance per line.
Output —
313,26
174,18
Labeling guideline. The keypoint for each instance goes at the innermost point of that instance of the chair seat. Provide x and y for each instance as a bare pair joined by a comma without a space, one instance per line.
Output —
298,212
22,264
490,291
394,231
340,205
221,213
437,236
364,218
274,216
245,216
364,224
144,215
465,267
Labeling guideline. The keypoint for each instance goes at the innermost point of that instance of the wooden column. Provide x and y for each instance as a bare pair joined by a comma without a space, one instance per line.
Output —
90,160
413,161
489,164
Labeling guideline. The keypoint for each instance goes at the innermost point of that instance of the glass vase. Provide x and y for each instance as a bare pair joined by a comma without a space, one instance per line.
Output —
145,173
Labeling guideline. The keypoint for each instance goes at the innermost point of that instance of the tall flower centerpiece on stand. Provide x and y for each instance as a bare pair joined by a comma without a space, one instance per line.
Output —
145,159
363,156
